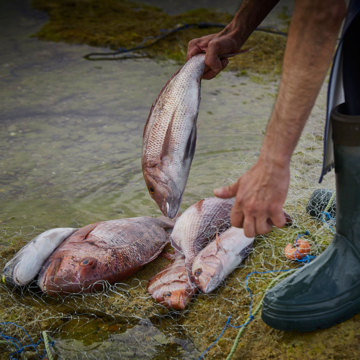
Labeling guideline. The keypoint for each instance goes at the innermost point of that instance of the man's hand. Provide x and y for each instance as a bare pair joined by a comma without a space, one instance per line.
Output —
215,46
231,39
259,197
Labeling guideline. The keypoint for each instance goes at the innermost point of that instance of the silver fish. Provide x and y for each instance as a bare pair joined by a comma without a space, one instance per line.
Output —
218,259
169,137
198,226
27,262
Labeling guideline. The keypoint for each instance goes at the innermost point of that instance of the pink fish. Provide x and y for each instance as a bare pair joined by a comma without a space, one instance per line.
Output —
106,251
172,287
170,136
198,225
218,259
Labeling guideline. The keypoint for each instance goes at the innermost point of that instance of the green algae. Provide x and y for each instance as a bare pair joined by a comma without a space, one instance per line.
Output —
124,24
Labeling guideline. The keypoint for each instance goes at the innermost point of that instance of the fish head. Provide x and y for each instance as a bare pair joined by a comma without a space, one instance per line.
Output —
163,190
65,273
176,299
205,273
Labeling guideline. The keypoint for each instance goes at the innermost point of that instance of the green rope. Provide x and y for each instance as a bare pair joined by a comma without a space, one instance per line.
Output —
47,345
242,329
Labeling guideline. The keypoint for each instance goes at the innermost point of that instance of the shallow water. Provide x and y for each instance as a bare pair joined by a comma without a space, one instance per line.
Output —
70,147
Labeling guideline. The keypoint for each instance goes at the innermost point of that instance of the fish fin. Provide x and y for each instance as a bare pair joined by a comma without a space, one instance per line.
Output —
175,245
83,232
191,144
168,144
218,241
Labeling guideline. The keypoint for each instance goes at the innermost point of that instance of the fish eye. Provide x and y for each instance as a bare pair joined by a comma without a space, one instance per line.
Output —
151,190
168,294
198,272
86,262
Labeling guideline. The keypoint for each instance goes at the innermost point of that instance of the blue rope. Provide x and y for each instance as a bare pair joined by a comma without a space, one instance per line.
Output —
328,217
307,258
17,344
251,317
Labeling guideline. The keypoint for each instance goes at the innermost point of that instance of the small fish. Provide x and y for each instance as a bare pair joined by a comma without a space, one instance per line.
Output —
218,259
106,251
26,264
169,137
199,224
172,287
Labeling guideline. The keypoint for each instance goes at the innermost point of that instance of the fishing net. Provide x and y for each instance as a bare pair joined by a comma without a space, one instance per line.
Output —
123,321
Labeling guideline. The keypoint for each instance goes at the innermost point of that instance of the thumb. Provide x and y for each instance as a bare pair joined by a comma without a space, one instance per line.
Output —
226,191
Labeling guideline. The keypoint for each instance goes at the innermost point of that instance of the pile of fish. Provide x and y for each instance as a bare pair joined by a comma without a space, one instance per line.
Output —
208,249
69,260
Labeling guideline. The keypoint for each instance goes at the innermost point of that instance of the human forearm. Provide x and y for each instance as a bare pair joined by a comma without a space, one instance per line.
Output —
260,193
232,37
310,46
247,18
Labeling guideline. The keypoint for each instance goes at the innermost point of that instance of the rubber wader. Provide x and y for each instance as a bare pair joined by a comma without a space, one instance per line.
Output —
327,291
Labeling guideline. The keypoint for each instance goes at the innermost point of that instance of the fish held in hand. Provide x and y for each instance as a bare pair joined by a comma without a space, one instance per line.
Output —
172,287
106,251
221,257
26,264
169,137
199,224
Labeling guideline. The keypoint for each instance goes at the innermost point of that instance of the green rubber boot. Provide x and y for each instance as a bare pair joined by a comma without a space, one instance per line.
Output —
327,291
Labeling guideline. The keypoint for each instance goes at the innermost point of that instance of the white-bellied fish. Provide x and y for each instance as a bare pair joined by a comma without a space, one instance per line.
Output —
199,224
26,264
169,137
106,251
219,258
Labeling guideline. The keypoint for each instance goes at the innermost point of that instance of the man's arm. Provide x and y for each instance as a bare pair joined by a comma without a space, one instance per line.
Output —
230,40
261,192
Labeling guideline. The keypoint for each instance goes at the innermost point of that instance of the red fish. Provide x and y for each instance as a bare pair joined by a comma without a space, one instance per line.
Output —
172,287
106,251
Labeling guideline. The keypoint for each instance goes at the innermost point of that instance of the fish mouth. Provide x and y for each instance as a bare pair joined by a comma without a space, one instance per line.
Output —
170,209
7,277
171,205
